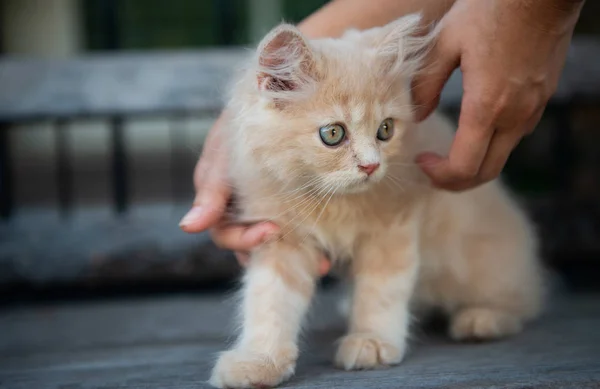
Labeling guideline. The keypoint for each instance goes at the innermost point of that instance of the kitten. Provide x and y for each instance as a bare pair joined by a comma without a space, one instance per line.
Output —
322,141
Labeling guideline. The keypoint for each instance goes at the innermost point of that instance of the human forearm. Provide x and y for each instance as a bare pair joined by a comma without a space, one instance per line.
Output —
554,16
338,16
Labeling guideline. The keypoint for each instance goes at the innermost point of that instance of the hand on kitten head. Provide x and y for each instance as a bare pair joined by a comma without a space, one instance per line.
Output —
511,53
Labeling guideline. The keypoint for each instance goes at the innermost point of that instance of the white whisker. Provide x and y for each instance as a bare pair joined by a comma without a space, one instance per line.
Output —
319,200
333,190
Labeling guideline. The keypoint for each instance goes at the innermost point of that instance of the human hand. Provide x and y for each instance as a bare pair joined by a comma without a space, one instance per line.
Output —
511,53
213,193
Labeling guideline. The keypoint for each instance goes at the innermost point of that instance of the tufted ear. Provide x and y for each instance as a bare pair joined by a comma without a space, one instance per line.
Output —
401,45
286,62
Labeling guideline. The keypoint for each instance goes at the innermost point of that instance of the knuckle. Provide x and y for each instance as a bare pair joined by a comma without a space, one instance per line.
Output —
501,103
487,104
487,109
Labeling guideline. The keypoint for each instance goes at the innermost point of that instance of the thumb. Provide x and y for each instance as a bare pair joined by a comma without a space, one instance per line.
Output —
437,68
208,209
212,195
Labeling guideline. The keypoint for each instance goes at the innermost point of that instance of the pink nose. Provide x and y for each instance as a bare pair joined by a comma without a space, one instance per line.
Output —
369,169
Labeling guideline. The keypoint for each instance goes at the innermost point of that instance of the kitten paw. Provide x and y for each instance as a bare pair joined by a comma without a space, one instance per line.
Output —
366,351
241,369
483,324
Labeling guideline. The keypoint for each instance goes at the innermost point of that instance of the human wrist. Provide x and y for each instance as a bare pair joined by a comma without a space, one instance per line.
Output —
337,16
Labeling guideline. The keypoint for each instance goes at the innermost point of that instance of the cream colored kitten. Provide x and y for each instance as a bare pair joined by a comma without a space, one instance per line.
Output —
322,141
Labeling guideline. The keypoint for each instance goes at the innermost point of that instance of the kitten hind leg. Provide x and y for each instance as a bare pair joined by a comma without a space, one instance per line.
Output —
484,323
278,288
503,290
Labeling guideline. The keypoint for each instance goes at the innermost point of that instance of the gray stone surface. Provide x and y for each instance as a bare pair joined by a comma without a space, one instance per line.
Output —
171,342
152,83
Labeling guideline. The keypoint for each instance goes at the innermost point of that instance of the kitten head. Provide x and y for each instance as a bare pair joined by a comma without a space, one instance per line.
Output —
329,113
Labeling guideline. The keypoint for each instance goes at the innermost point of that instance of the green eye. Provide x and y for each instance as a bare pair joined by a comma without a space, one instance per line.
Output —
332,134
385,130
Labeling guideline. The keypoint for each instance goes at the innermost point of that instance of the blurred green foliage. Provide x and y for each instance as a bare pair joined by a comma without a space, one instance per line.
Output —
294,11
177,24
182,24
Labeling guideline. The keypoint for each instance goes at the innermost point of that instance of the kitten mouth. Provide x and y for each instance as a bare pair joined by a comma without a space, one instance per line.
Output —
370,179
360,184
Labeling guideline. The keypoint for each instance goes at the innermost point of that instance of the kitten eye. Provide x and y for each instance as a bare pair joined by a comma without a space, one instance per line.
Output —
385,130
332,134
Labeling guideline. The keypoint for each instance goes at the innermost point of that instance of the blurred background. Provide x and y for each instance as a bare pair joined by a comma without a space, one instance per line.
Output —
104,106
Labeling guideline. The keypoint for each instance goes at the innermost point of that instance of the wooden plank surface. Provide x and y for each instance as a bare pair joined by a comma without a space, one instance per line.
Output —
158,82
171,342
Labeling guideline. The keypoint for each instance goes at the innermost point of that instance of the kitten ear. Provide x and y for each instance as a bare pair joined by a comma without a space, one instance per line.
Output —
403,44
285,61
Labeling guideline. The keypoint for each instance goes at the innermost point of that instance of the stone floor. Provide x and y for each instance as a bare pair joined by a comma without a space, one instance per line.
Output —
171,342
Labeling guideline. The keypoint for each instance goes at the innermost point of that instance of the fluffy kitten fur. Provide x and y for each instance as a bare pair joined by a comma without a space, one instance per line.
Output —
472,254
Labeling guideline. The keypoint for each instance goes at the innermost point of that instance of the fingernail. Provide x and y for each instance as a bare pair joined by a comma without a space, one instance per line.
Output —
193,215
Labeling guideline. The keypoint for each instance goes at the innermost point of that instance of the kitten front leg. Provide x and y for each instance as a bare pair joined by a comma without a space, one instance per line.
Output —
384,277
279,284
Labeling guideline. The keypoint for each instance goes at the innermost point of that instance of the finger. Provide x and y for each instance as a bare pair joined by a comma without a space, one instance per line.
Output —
501,146
209,206
213,156
212,189
427,160
212,193
437,68
324,266
243,237
242,257
534,120
468,149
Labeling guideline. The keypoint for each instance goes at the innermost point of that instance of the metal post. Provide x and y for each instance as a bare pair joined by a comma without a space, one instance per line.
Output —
6,189
119,165
63,173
